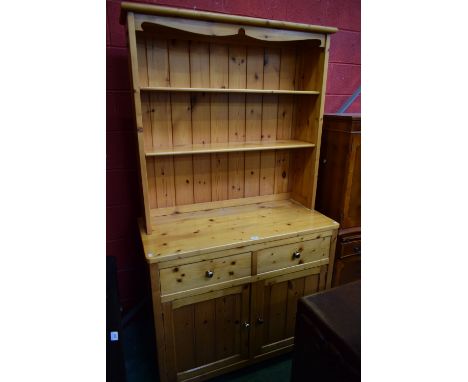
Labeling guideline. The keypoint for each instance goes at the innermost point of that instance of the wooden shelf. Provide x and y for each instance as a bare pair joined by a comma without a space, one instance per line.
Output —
221,90
185,234
229,147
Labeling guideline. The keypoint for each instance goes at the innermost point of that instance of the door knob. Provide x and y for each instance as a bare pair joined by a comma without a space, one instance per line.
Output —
246,325
296,255
209,274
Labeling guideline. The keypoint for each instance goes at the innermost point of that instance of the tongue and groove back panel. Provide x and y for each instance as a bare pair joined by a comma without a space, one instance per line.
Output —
173,119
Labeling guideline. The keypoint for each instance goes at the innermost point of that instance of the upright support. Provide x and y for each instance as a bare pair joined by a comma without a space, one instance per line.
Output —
138,116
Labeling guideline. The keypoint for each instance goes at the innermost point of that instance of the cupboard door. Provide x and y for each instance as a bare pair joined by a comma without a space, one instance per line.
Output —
274,304
206,332
332,177
352,194
347,270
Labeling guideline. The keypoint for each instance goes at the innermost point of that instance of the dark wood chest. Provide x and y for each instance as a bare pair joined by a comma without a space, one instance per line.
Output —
328,336
339,190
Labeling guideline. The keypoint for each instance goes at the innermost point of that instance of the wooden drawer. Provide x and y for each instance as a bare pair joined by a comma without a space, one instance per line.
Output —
195,275
347,270
350,248
274,258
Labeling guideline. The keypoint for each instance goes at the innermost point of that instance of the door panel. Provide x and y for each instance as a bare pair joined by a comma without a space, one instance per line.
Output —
275,327
184,327
205,336
352,195
204,333
295,291
347,270
274,304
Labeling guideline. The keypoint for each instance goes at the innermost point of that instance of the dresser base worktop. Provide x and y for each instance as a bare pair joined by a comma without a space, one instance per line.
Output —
181,235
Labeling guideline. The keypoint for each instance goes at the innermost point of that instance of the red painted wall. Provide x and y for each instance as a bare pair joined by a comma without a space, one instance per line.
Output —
344,76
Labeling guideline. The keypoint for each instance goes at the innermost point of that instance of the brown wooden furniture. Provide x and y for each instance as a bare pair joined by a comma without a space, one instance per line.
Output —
228,113
328,336
339,190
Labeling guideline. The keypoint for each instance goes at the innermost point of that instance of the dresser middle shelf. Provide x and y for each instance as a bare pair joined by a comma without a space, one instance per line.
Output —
228,147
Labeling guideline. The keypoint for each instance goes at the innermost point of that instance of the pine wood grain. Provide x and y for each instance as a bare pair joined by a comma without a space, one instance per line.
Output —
201,119
277,316
236,175
179,66
164,173
219,71
169,336
138,116
219,177
158,321
295,290
202,178
227,330
285,116
296,274
183,175
158,112
230,227
142,62
205,333
267,172
205,296
191,276
218,204
237,79
214,331
158,63
152,196
229,147
311,284
253,119
282,257
184,332
147,9
228,131
238,91
271,68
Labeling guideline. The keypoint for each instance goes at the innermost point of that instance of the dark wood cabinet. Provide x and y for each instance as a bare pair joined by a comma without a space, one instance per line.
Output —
339,190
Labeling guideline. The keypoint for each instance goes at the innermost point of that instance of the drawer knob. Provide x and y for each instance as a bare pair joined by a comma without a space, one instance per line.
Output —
246,325
209,274
296,255
260,320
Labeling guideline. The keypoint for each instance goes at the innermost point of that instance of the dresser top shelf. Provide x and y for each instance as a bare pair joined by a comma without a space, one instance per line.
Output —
186,234
150,9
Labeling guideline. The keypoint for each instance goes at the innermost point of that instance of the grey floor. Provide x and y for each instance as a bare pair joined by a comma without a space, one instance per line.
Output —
140,356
